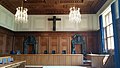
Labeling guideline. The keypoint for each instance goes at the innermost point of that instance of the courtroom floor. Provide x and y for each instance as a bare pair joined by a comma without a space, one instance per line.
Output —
65,67
61,67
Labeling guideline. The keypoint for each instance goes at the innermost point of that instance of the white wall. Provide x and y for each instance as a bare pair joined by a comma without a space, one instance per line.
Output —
6,18
41,23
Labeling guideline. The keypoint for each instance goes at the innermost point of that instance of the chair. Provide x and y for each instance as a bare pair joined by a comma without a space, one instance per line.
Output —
9,59
18,52
12,52
63,51
53,51
45,52
0,60
4,60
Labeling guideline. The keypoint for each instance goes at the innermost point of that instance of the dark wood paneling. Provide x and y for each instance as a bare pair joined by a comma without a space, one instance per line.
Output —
59,40
65,44
47,40
54,44
18,43
6,36
92,45
2,43
9,43
43,45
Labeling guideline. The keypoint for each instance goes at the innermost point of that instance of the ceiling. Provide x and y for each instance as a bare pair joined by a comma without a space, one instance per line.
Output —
40,7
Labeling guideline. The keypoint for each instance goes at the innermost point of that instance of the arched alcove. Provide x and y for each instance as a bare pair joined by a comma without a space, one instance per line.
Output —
30,44
78,40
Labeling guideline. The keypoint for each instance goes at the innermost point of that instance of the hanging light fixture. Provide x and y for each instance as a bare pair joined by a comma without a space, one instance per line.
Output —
74,15
21,14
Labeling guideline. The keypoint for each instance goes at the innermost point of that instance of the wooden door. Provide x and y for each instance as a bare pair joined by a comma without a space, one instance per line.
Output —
30,49
78,48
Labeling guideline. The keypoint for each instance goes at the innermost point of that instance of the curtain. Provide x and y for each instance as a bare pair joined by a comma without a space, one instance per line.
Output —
119,7
115,31
101,34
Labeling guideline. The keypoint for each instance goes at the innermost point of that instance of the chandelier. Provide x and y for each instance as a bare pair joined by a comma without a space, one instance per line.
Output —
74,15
21,14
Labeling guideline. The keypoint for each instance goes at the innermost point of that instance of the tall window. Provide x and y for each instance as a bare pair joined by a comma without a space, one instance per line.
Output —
108,32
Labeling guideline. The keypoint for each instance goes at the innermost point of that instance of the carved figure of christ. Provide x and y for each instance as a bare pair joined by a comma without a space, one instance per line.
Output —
54,19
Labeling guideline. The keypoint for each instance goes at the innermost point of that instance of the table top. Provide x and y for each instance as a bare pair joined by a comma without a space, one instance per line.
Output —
98,54
10,64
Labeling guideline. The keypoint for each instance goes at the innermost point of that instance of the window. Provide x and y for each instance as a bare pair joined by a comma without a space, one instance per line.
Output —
108,31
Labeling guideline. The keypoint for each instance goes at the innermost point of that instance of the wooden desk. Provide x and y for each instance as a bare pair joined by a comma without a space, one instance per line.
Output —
20,64
51,59
97,60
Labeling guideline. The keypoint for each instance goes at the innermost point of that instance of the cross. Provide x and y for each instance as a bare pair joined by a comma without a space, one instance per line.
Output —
54,19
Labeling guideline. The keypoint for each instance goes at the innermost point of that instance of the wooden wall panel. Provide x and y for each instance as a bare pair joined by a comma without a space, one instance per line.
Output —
6,36
40,59
9,43
43,45
45,60
59,41
56,60
68,60
2,43
54,44
28,59
18,43
76,60
65,44
92,44
62,60
50,60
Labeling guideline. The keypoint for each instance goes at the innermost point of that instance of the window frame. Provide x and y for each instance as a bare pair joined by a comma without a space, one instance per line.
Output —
108,24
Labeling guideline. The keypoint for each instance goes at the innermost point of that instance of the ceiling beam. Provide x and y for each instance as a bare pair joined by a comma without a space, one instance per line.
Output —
0,1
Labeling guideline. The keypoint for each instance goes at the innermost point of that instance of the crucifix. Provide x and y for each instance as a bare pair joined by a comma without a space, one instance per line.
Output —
54,19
